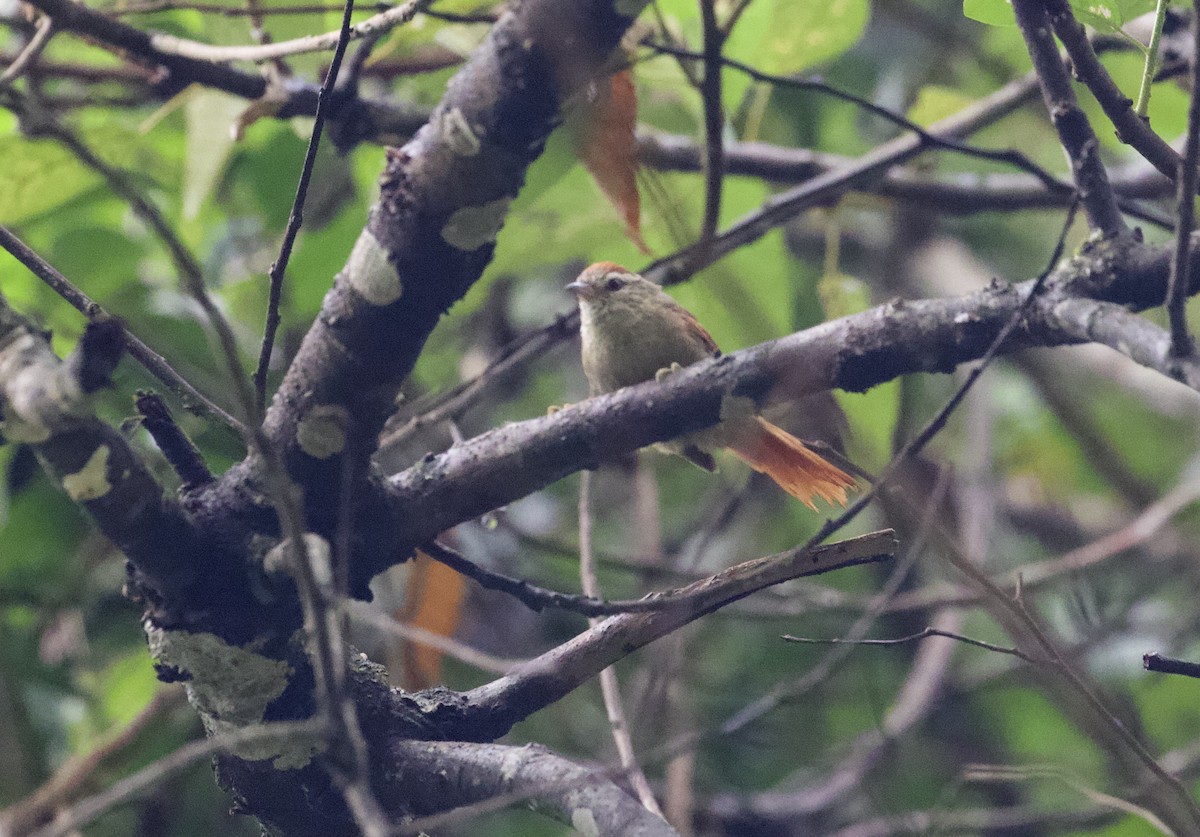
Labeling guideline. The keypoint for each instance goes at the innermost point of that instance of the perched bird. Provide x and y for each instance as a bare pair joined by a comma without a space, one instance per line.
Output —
632,331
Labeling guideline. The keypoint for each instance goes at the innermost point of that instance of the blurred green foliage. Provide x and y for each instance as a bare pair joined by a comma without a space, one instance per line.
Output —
72,662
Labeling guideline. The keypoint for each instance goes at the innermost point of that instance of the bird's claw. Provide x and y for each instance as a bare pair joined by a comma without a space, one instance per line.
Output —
661,375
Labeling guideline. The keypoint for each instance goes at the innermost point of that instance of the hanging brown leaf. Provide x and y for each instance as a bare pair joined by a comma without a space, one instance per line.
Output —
605,144
433,600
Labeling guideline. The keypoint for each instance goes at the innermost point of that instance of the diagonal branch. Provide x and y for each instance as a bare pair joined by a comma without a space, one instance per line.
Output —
490,710
1074,131
1131,129
1122,331
155,363
44,403
443,199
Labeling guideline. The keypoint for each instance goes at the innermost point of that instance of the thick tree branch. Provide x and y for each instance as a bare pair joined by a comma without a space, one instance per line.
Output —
1117,106
444,197
1123,331
853,353
1074,131
957,194
470,774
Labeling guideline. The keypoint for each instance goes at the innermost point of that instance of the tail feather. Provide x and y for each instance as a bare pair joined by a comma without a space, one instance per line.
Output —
784,458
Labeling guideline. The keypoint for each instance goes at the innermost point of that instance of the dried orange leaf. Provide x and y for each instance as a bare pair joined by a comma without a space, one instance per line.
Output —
605,144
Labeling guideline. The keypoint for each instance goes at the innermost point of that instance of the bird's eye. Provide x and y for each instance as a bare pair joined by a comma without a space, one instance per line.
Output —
614,284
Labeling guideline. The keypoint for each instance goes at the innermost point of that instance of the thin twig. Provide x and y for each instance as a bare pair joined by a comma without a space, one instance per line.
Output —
76,772
935,424
1016,773
296,218
1185,203
453,402
41,37
1032,576
928,137
157,772
181,453
1142,107
382,22
869,167
955,194
1014,607
714,120
448,646
153,362
156,6
610,689
191,277
1169,665
925,634
820,673
538,598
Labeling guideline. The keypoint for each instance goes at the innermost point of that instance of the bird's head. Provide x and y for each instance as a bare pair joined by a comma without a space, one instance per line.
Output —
605,281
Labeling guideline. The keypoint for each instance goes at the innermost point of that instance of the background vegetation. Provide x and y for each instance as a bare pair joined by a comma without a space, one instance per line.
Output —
1067,476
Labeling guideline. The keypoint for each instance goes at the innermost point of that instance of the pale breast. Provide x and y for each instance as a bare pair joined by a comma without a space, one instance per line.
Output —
628,344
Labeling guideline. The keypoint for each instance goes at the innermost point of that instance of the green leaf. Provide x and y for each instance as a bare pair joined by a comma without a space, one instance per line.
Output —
210,116
991,12
1108,16
936,102
40,176
797,36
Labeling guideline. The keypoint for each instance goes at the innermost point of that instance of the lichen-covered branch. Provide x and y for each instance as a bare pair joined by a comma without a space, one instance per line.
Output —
44,402
444,197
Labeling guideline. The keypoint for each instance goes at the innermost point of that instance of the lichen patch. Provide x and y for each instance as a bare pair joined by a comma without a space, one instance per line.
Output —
472,227
459,135
230,687
321,432
735,407
584,821
227,681
91,481
370,272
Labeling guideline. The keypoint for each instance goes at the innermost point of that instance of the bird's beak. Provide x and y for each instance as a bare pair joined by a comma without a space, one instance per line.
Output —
581,289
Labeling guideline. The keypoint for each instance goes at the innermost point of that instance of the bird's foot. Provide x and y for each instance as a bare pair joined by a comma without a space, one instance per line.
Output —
662,374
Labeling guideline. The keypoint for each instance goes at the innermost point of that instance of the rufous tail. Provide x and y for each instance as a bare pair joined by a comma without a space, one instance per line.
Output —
781,456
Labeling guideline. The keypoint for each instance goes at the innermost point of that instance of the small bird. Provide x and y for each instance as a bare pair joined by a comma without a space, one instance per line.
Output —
632,331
